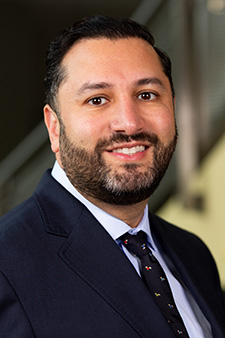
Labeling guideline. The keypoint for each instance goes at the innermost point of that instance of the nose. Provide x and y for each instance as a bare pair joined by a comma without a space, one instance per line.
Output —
127,117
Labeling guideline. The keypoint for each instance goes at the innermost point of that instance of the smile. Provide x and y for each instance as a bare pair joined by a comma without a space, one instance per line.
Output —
130,151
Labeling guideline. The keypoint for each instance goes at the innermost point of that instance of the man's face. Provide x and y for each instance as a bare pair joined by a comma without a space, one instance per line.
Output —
117,127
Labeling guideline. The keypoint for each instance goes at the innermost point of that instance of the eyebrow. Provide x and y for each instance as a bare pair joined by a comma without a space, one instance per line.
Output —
150,80
103,85
92,86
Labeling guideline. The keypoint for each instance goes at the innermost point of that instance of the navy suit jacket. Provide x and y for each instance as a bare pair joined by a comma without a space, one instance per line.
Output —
63,276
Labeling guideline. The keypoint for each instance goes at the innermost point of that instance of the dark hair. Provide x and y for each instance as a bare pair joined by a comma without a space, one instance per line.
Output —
89,28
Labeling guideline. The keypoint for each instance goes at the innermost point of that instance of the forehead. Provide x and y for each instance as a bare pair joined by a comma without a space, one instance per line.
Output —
105,58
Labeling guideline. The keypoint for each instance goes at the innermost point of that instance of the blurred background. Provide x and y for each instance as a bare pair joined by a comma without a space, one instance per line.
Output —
192,32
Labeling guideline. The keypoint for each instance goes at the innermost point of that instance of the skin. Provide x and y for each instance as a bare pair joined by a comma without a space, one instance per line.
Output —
113,86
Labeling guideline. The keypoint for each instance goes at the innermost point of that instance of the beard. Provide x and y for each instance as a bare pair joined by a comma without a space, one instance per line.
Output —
130,183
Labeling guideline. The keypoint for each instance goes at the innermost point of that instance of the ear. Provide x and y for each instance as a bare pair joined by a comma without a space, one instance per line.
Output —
52,124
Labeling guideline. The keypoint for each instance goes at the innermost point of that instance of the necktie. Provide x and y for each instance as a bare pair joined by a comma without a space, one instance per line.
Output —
156,280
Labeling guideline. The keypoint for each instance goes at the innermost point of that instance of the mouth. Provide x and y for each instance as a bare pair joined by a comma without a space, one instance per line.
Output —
130,151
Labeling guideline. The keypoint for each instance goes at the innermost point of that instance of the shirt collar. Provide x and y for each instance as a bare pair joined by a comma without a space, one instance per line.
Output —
114,226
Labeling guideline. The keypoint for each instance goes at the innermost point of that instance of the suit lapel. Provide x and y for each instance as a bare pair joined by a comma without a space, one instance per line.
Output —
92,253
174,244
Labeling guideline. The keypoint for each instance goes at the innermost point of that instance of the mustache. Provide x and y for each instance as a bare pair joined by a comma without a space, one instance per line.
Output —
123,138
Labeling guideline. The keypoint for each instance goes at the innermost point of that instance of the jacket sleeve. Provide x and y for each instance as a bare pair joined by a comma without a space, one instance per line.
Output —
14,322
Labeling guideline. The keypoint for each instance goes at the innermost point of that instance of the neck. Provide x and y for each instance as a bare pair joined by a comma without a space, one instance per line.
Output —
129,214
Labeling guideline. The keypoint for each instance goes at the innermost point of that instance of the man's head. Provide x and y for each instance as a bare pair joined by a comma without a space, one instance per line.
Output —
110,111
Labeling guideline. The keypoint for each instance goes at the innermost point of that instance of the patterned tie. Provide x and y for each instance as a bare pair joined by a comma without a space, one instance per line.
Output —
156,281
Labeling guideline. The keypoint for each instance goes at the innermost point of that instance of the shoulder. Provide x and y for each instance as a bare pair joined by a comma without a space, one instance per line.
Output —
20,222
19,236
20,232
13,221
51,209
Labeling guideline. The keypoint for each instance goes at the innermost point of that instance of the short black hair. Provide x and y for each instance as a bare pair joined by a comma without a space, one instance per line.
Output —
89,28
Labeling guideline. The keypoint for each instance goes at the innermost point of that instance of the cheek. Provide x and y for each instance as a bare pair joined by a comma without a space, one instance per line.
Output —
86,132
164,126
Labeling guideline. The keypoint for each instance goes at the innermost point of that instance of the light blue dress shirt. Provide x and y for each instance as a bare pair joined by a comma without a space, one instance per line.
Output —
195,322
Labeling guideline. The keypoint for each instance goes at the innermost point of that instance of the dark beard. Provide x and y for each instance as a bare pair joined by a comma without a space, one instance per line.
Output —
92,177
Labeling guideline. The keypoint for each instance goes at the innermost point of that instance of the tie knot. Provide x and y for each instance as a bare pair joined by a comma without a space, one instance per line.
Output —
136,244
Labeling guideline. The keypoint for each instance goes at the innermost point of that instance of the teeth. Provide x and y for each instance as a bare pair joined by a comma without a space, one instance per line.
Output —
129,151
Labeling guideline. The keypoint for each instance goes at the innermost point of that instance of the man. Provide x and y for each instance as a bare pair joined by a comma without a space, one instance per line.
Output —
66,266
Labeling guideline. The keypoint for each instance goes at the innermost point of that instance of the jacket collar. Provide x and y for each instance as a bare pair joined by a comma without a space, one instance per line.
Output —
93,255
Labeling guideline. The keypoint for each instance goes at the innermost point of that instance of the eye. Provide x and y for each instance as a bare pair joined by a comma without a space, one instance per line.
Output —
97,101
147,96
